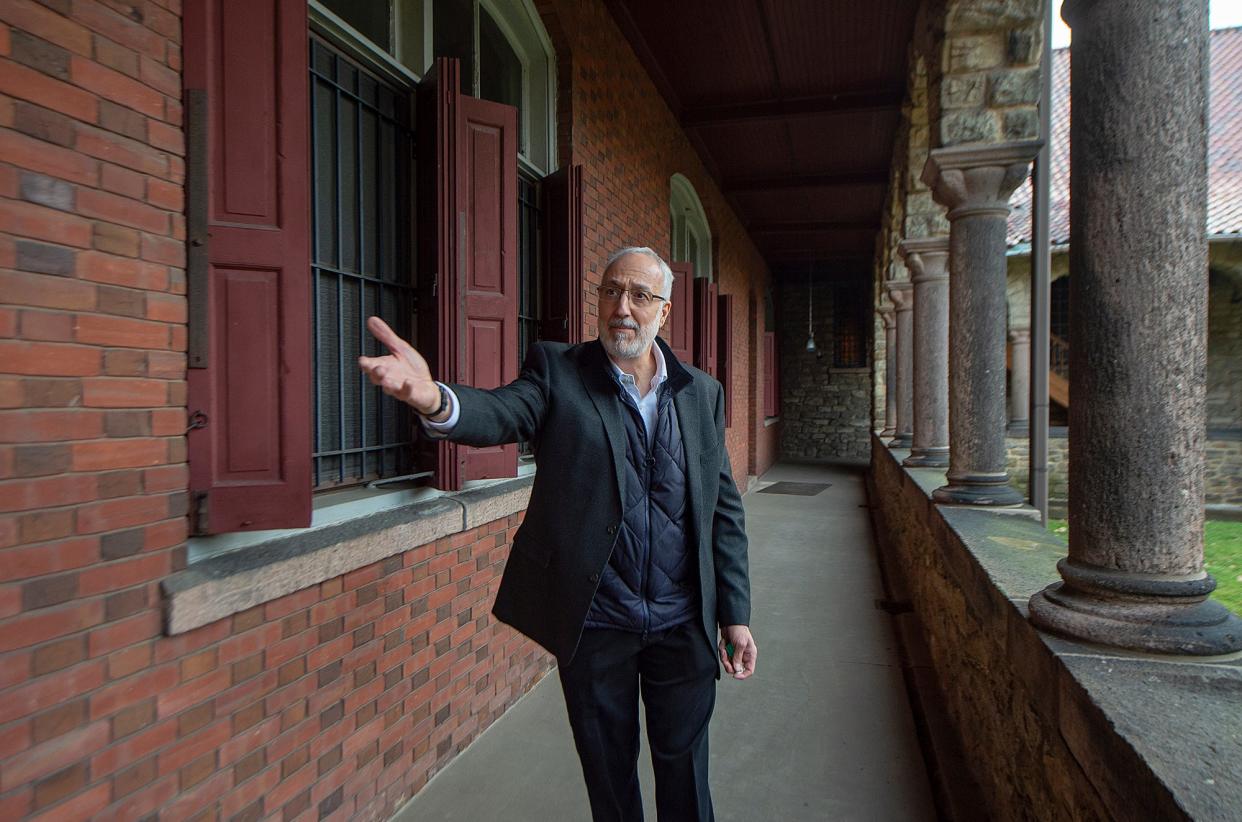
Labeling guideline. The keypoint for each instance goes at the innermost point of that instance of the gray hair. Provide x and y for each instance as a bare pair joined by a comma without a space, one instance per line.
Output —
664,269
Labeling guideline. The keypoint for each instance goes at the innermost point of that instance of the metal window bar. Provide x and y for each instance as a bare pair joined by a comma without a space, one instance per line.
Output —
362,263
530,263
849,327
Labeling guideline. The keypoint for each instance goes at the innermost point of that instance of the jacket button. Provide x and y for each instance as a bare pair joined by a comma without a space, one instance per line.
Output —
594,577
612,529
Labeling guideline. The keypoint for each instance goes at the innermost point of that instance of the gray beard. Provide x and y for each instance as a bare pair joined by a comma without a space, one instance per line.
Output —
620,348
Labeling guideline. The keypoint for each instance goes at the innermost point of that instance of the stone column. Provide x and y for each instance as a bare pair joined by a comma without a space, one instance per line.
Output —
927,260
974,183
889,317
1020,382
1134,576
899,291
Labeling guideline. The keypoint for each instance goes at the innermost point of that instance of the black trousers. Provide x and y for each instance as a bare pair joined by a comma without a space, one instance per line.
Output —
675,671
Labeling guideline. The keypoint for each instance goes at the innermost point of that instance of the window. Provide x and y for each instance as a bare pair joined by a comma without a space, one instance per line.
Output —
849,325
303,205
362,264
691,238
505,53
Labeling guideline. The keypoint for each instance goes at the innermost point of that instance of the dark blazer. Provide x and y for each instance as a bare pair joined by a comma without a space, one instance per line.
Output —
565,403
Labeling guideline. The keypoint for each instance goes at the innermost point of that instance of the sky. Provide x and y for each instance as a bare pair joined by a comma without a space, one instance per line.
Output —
1223,14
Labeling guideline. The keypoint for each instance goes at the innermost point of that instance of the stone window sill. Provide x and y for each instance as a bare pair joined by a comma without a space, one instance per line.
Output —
226,583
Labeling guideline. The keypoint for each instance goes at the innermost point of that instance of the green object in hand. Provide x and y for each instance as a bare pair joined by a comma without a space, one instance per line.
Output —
729,650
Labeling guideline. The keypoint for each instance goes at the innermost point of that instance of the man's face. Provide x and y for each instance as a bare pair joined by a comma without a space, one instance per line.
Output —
628,330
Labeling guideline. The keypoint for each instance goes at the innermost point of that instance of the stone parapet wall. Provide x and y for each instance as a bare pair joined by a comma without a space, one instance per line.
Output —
1049,729
1222,469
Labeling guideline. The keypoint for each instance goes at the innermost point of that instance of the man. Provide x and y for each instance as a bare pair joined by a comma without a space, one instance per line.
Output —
633,549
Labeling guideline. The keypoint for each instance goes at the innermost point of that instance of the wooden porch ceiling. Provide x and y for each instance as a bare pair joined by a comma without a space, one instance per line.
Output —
792,104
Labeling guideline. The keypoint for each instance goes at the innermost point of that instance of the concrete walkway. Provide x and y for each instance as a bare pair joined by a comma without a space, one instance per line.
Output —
821,732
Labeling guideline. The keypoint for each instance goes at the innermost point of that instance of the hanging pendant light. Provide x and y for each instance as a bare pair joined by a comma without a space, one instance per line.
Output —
810,312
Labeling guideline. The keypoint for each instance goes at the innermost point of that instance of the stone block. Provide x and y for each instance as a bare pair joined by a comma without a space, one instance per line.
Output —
1011,87
961,127
975,52
962,91
988,15
1023,47
1022,124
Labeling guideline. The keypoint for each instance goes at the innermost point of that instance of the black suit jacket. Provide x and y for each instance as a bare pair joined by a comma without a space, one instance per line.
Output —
565,403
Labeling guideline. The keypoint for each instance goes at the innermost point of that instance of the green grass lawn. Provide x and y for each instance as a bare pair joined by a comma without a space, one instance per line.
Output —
1223,555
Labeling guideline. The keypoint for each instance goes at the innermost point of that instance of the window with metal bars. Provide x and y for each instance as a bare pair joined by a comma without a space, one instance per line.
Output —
362,264
531,276
849,326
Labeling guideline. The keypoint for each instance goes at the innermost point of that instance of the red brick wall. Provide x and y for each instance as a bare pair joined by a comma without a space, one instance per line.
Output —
619,128
340,699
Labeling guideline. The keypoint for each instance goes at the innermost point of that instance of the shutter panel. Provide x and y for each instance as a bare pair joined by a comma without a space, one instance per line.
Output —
724,352
705,329
562,270
679,328
468,238
769,374
249,270
488,205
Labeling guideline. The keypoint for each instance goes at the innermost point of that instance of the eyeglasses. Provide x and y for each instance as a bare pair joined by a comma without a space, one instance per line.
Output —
638,297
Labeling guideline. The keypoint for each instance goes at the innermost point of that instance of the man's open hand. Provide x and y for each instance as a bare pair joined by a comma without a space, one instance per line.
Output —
403,373
745,652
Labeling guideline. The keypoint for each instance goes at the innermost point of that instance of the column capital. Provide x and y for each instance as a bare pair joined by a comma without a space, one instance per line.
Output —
901,293
926,257
978,179
888,314
1019,335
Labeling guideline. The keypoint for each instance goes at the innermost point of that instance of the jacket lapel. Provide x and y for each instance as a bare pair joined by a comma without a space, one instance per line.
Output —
600,387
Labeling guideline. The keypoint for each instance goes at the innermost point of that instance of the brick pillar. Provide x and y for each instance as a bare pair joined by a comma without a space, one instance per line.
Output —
1134,576
974,183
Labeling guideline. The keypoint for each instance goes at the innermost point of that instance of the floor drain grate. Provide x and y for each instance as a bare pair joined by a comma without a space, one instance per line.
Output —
797,489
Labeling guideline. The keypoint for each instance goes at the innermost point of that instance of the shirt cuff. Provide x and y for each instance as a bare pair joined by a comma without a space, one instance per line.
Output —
449,424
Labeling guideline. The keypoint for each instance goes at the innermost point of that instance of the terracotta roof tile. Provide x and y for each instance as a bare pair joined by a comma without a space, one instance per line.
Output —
1224,146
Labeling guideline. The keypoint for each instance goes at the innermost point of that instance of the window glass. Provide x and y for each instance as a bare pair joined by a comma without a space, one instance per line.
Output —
500,69
369,18
454,35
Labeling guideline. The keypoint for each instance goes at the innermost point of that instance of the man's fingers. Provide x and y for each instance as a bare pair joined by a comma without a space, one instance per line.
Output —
380,330
724,656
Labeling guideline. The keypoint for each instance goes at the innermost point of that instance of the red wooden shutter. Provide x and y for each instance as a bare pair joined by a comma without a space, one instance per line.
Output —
705,330
679,329
249,263
724,352
770,387
487,180
562,271
468,238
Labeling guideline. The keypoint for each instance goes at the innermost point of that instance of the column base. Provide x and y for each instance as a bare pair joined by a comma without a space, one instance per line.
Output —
902,441
1191,626
1018,428
888,432
927,458
990,492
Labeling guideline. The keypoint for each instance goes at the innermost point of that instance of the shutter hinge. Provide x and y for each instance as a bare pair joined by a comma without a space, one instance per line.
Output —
199,512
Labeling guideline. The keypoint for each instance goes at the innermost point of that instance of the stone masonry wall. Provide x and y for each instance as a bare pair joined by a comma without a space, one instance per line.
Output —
825,412
1224,354
1222,467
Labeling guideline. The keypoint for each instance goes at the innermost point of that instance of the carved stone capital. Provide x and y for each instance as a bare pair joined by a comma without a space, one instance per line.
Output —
901,292
971,180
926,257
888,315
1019,336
